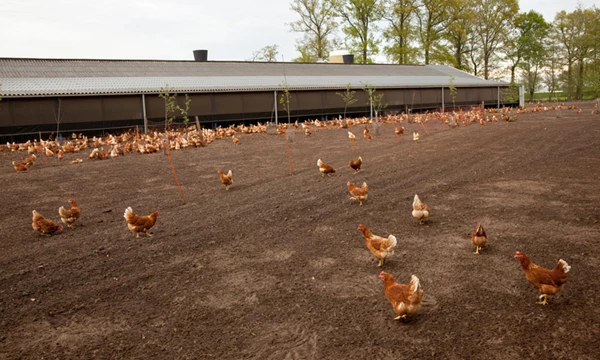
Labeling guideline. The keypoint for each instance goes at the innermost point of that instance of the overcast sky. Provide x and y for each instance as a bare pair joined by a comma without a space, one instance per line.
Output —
167,29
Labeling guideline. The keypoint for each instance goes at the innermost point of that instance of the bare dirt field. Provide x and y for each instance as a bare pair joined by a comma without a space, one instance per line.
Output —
275,268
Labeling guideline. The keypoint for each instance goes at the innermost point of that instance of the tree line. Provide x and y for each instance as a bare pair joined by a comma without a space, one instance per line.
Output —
487,38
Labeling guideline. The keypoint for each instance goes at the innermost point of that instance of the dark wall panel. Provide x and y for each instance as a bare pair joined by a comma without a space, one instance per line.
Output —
258,102
122,107
25,112
81,109
229,103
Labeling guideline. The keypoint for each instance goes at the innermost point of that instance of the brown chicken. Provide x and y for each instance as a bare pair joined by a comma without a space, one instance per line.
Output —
226,180
44,226
420,210
28,161
478,238
356,164
380,247
69,216
358,193
139,224
548,282
19,167
405,299
324,168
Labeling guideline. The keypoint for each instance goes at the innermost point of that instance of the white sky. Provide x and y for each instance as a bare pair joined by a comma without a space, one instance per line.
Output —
164,29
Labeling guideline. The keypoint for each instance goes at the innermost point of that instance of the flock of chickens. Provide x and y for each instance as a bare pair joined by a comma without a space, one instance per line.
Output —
406,299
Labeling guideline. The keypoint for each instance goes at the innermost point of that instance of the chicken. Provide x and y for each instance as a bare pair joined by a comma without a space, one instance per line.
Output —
69,216
60,155
28,161
324,168
235,139
358,193
351,136
226,180
478,238
44,226
75,161
19,167
405,299
380,247
548,282
49,153
399,131
366,134
420,210
415,135
138,224
355,164
307,132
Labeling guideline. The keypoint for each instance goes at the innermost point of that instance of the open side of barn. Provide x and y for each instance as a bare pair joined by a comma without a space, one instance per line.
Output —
46,95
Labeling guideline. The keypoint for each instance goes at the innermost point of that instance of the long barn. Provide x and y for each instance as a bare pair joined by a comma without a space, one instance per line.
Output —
117,94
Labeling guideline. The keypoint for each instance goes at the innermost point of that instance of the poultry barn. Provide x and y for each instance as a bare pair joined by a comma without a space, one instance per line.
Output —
67,95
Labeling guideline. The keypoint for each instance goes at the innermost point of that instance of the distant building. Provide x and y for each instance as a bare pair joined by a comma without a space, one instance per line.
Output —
111,94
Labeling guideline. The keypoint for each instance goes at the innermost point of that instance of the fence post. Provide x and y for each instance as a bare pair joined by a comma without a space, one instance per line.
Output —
275,105
144,114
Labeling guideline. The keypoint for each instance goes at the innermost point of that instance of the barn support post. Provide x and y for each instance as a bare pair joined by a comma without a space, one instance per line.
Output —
522,95
498,106
275,107
443,107
144,114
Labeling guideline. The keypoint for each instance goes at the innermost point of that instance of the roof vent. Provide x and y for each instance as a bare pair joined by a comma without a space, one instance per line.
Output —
341,57
201,55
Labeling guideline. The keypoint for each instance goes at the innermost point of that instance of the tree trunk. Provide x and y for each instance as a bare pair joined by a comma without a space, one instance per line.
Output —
569,79
580,82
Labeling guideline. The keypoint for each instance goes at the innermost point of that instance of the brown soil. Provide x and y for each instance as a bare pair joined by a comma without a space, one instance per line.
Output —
275,268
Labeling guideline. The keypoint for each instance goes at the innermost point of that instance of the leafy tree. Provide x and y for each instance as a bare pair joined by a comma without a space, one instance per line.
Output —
526,46
474,53
400,33
453,91
434,19
493,19
317,22
285,98
267,54
460,32
348,98
172,109
360,25
375,100
551,72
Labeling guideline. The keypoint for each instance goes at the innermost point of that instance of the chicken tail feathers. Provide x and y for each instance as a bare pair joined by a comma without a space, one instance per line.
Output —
393,242
128,214
563,266
61,211
415,284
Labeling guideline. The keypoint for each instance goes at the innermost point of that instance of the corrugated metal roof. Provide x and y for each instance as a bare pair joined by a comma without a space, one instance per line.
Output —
53,77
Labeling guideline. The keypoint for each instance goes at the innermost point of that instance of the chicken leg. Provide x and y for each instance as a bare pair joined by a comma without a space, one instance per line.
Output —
402,317
545,301
477,251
